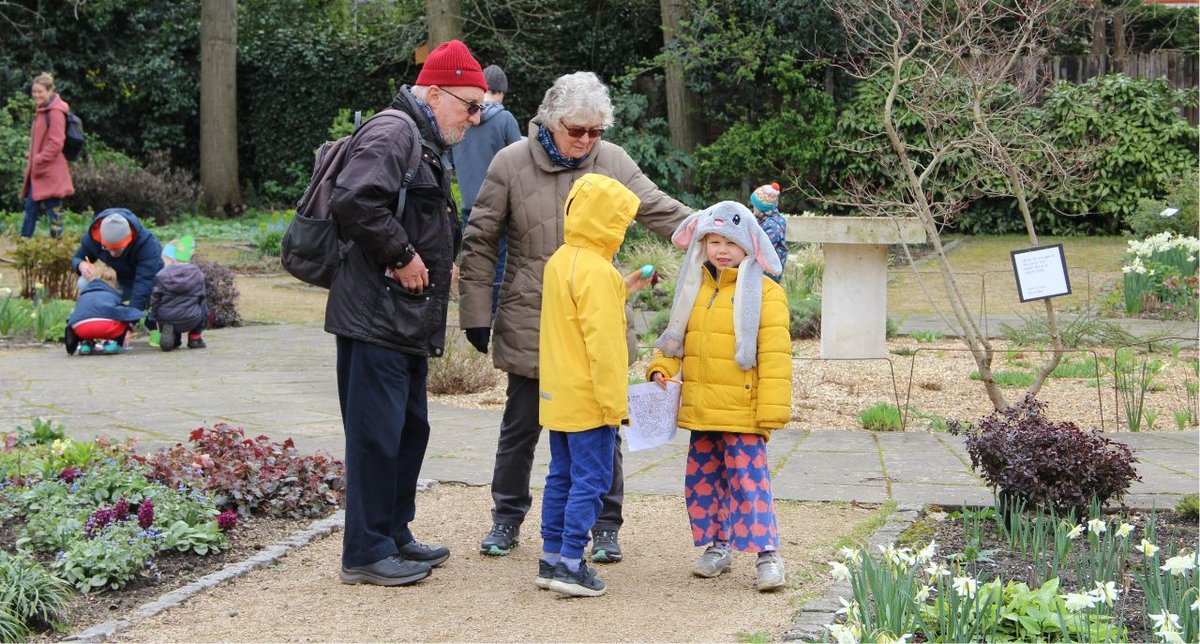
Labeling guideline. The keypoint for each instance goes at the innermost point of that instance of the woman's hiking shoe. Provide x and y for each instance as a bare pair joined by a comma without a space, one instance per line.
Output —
389,571
431,555
713,562
605,548
771,575
581,583
545,575
500,540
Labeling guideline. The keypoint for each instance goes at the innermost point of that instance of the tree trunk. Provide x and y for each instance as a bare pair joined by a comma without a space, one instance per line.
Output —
218,107
686,129
1118,28
443,18
1099,36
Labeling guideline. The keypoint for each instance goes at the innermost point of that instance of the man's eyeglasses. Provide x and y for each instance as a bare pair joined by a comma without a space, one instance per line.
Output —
472,107
578,132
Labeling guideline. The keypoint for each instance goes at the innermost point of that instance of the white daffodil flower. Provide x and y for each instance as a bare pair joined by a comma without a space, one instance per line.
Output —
1096,526
851,555
935,570
884,639
1075,532
1196,605
923,594
927,553
1106,592
843,633
839,571
1179,564
965,586
1147,548
1079,601
1165,621
1124,530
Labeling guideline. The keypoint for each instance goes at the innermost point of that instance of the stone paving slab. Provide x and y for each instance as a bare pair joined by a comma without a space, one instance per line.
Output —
279,380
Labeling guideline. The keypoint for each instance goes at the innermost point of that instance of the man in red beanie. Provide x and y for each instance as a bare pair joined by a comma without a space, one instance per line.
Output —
387,307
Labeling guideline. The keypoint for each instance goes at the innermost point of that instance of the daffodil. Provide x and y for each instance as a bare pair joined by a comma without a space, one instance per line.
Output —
851,555
1179,564
884,639
923,594
1164,621
1106,592
1075,532
1076,602
844,633
935,570
1124,530
1147,548
1196,605
965,586
927,553
839,570
1096,526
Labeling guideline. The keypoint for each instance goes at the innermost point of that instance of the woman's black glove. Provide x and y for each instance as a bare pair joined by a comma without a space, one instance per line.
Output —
478,337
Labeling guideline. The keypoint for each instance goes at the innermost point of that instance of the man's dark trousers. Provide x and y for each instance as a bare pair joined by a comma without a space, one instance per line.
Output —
519,433
385,414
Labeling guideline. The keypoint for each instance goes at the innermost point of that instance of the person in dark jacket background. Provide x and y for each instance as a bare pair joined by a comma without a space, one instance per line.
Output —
118,238
100,321
387,306
177,303
497,128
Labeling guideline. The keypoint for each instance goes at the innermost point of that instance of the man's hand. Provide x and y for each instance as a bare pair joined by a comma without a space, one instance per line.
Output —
478,337
635,281
413,276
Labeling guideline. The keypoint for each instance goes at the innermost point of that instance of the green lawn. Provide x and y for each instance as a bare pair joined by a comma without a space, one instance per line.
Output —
983,267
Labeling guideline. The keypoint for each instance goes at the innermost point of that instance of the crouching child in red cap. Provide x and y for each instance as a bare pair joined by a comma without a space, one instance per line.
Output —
100,321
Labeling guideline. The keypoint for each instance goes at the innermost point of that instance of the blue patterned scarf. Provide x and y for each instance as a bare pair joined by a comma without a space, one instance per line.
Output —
548,143
433,124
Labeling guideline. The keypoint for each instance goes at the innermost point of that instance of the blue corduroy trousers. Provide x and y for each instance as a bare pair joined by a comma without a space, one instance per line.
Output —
581,466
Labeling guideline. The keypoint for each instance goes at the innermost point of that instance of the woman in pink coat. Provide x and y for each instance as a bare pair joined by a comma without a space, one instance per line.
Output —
47,179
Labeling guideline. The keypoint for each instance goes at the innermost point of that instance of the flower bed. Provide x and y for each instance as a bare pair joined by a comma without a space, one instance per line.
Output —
95,517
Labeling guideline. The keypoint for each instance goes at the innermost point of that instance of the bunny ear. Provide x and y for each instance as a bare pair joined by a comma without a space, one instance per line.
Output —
682,237
764,251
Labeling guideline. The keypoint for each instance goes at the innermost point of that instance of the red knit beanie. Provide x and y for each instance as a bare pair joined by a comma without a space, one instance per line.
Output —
451,64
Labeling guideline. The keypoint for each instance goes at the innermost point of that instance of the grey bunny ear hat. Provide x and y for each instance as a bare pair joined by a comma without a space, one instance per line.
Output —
736,223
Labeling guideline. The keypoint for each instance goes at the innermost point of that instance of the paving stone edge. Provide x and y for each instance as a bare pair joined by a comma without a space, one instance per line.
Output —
810,621
263,558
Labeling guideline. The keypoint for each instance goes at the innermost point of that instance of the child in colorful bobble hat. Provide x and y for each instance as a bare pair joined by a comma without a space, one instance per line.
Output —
765,200
178,299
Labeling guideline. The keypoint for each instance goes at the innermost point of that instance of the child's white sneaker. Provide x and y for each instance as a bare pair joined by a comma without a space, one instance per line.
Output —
771,573
713,562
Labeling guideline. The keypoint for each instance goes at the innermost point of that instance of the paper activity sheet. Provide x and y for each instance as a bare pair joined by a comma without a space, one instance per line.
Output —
652,413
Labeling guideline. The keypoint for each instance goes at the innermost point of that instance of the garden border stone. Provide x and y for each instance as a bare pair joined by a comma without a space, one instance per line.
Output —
809,623
266,557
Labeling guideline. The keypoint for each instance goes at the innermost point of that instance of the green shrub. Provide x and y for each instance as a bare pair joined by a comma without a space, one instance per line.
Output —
15,116
29,593
110,560
881,417
1189,507
804,312
46,261
1147,220
461,369
221,293
156,193
270,235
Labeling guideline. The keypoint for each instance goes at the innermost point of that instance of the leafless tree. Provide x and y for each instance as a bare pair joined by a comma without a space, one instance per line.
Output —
950,64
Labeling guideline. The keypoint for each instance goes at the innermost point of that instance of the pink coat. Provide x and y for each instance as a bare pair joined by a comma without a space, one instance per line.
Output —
46,172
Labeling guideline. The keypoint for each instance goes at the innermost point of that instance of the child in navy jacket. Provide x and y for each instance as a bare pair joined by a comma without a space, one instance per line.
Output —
100,321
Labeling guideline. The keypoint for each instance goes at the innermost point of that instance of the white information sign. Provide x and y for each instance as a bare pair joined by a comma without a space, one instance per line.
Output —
1041,272
652,414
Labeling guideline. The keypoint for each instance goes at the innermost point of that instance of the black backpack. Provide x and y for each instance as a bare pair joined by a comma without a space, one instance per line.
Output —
312,248
73,144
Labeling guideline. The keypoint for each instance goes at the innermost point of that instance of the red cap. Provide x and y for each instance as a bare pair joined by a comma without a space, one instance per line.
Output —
452,65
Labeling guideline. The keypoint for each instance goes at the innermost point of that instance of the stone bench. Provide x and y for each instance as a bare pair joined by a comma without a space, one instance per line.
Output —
854,290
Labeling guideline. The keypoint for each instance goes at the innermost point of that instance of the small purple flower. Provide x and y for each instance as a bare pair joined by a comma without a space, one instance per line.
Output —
227,520
69,474
145,513
121,509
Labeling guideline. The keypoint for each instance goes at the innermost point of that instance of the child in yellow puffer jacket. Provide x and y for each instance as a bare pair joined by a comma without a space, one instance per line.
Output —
727,341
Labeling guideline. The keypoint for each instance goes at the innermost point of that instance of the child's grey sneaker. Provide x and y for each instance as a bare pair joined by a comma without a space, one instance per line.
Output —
713,562
605,548
545,575
500,540
771,573
581,583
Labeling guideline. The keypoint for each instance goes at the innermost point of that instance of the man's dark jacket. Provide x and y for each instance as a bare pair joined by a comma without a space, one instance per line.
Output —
136,267
364,303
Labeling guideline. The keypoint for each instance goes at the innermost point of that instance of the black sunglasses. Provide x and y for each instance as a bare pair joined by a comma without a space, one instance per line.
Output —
578,132
472,107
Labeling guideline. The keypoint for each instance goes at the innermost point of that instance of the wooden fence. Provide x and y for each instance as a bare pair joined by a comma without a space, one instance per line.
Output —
1178,67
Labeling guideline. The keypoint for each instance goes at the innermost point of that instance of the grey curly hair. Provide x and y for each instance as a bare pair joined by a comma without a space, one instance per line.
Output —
580,98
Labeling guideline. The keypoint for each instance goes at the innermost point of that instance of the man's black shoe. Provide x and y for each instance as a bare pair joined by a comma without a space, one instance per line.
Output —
500,540
389,571
605,548
431,555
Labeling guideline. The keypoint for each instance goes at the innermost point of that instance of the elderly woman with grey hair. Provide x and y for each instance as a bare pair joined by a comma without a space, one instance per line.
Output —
523,194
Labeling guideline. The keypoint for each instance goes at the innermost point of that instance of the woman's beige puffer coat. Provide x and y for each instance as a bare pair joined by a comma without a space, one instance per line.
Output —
524,193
